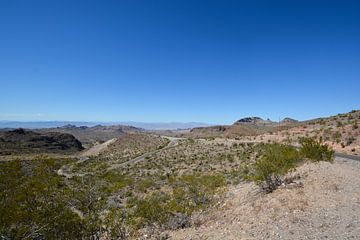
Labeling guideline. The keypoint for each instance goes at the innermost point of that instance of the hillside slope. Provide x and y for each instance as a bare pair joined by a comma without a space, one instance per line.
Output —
341,132
248,126
323,203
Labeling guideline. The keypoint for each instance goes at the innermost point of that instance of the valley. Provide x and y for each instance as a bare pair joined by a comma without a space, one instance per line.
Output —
200,184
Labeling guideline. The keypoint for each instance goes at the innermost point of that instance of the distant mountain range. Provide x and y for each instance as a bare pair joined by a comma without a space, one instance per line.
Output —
143,125
165,126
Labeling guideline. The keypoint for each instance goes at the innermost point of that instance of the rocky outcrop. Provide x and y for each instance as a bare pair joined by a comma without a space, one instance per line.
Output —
21,141
249,120
254,120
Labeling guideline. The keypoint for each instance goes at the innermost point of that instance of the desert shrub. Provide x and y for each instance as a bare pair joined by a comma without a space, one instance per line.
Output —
194,192
115,223
172,210
115,181
151,210
315,150
355,126
144,184
33,202
236,175
276,160
337,136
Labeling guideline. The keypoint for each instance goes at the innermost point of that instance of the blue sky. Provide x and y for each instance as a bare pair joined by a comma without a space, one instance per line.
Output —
160,61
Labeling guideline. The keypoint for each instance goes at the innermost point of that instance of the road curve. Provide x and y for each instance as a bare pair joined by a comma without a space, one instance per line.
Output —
173,143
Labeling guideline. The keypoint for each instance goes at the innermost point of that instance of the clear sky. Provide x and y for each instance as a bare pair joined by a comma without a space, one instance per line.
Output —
160,61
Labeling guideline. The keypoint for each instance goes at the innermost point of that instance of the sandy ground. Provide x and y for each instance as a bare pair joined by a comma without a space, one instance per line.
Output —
324,203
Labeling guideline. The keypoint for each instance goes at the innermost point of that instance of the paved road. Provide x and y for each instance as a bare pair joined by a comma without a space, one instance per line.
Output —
95,150
346,156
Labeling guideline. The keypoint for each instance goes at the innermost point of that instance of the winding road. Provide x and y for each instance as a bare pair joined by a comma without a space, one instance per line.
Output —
65,170
173,143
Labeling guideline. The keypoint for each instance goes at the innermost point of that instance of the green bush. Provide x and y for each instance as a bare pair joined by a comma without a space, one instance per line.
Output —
116,182
151,210
173,210
276,160
33,202
194,192
315,150
145,184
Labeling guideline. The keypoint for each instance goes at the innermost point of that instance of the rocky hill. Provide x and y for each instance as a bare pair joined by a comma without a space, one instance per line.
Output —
20,141
223,131
248,126
341,132
288,120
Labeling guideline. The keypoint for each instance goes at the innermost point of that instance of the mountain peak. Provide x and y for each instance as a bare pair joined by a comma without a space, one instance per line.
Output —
289,120
253,120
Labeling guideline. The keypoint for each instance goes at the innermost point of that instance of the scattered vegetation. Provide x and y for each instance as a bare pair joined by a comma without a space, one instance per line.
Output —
278,159
159,193
37,203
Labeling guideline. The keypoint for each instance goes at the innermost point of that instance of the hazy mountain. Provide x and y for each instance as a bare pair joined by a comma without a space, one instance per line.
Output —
166,125
91,135
144,125
42,124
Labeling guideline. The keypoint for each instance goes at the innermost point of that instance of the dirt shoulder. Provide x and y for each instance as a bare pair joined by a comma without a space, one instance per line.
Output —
323,204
